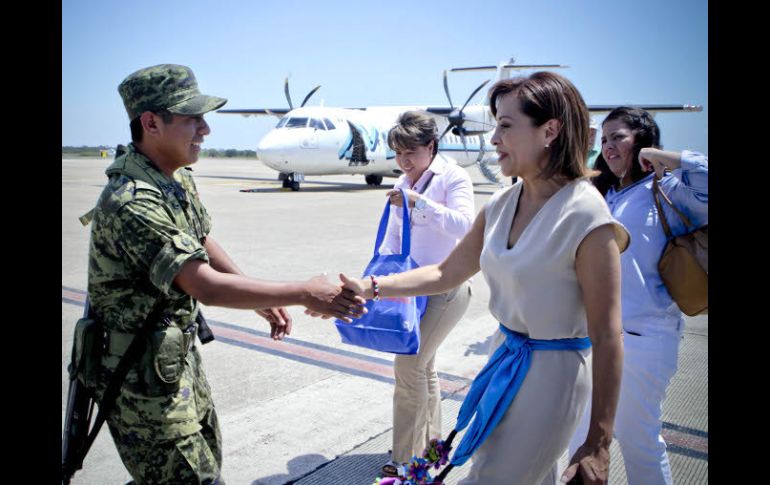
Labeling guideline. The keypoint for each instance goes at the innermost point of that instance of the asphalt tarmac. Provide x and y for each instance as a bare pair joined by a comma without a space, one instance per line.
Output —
311,409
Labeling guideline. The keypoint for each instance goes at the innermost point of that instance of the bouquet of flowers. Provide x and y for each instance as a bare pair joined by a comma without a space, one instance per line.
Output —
435,456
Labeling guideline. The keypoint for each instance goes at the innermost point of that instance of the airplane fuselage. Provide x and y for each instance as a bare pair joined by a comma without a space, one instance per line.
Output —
330,141
326,141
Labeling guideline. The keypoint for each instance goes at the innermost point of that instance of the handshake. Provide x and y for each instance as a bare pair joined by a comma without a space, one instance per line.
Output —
321,298
344,301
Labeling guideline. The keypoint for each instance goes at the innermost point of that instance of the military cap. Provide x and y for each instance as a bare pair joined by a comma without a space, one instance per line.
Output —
166,86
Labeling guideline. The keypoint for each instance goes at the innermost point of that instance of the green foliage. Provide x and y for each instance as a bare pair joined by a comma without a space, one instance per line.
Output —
227,153
84,151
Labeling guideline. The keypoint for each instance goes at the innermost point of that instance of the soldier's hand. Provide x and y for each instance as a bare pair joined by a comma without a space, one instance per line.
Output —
279,320
316,314
332,300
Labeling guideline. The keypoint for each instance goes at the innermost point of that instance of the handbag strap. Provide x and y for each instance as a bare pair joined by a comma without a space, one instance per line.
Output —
406,237
657,193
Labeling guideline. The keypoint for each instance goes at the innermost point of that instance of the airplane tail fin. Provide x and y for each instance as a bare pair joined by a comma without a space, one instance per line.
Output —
504,70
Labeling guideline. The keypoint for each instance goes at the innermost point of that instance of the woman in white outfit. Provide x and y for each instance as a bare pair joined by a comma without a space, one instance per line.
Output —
550,251
440,196
652,323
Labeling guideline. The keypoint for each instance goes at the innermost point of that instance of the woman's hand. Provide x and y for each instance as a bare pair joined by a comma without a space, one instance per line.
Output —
654,159
397,199
590,465
356,286
325,298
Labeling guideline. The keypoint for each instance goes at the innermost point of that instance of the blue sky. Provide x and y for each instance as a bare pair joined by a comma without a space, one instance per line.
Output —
378,53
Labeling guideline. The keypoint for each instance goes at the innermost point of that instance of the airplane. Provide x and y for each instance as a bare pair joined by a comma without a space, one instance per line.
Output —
320,140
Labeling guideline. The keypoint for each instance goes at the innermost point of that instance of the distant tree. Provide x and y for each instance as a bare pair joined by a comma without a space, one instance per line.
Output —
86,151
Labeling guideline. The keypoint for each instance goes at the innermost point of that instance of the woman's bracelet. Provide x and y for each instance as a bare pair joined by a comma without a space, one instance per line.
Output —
375,289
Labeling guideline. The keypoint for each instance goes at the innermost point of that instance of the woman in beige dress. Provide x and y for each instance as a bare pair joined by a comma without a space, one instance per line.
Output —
550,251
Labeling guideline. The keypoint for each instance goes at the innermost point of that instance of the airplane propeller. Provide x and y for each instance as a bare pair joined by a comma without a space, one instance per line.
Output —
456,117
288,96
488,172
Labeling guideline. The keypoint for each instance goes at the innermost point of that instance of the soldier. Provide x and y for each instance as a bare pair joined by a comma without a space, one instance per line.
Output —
151,261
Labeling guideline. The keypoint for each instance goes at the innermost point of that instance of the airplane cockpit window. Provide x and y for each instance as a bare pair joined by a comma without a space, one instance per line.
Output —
282,122
296,123
329,124
316,123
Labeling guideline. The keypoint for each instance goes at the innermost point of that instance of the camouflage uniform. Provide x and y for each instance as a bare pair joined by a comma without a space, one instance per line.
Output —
146,226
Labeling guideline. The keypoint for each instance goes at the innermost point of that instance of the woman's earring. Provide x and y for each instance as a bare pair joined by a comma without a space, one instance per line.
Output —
547,145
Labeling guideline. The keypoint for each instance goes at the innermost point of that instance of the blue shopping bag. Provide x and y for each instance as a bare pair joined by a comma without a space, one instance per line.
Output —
391,324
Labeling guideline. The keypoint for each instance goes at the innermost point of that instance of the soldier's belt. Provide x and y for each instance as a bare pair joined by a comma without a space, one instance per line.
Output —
117,342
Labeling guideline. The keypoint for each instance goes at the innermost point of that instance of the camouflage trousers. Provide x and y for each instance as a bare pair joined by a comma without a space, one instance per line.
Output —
193,459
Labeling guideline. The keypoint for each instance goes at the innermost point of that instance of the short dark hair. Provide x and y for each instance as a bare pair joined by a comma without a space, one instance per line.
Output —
545,96
646,134
137,132
413,129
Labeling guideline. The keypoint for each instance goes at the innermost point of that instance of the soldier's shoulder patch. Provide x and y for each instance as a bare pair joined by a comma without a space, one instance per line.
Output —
144,190
119,191
122,189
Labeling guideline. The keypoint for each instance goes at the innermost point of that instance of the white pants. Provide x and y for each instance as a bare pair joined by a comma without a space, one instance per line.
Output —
649,363
417,397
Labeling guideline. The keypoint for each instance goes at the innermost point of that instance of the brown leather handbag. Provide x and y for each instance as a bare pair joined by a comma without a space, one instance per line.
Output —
684,263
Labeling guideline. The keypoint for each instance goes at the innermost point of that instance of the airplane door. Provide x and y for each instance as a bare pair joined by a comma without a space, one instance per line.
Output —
356,151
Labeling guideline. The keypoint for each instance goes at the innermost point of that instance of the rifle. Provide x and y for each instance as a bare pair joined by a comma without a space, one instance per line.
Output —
204,331
77,439
80,406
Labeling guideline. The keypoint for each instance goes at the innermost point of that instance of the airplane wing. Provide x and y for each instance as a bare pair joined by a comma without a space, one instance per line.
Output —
652,108
602,108
509,66
277,112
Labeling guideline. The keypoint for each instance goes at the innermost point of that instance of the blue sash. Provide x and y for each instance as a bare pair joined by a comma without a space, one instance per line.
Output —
497,384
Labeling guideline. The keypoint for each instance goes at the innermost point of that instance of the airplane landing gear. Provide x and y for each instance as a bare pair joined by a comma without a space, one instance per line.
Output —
291,180
373,180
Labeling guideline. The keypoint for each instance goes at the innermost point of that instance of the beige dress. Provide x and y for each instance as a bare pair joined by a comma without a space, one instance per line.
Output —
534,290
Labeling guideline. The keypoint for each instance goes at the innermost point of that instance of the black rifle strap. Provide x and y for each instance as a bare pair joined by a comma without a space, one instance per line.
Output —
134,351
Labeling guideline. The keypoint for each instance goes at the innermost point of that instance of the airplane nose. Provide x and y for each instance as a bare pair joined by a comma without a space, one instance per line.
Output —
270,151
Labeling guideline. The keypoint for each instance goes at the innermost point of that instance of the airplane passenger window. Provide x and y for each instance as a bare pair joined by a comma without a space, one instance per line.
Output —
282,122
329,124
296,123
315,123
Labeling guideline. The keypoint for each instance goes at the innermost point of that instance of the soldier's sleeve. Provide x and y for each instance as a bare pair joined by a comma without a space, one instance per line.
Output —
150,239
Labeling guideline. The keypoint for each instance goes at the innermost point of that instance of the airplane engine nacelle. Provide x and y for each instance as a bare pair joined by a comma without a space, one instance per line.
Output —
478,119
